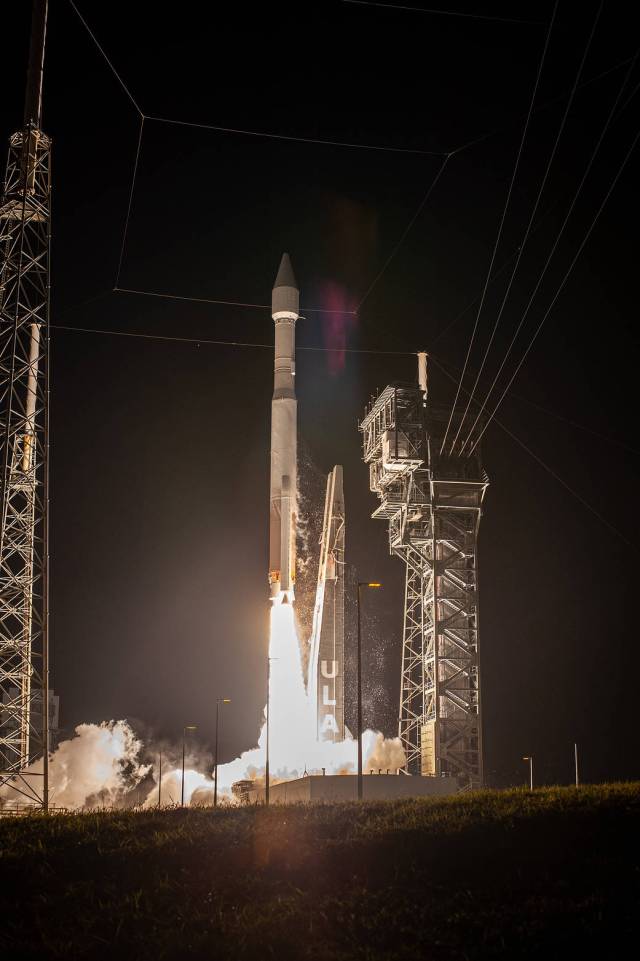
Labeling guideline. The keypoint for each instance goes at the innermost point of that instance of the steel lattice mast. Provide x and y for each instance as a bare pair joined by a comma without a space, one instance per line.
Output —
24,412
433,507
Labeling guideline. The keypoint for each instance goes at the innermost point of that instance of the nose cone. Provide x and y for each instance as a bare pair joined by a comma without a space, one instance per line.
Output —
285,297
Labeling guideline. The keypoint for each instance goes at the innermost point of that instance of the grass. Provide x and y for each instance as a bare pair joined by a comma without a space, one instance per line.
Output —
549,874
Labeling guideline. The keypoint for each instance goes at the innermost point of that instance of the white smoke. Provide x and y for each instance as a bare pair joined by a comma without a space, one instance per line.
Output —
99,766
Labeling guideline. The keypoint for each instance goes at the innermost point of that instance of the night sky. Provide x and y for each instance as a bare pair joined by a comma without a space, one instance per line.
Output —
160,449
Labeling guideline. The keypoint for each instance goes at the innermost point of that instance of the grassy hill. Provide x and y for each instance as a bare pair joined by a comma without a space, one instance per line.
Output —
552,874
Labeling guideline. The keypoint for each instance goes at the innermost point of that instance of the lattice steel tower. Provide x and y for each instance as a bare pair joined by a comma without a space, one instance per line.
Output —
24,413
433,505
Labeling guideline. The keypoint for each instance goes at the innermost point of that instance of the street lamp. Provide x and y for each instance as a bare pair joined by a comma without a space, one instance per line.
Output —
266,764
530,760
219,701
188,727
361,584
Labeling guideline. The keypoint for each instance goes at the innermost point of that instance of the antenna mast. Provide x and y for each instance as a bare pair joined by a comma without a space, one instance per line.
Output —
25,210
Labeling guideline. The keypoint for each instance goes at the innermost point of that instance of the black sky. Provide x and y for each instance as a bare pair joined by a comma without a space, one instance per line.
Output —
160,449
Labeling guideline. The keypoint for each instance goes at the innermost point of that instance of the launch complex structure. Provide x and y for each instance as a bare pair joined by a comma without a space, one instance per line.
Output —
25,208
432,503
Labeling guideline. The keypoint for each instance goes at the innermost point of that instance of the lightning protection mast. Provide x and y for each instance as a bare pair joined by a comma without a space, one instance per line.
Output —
432,504
24,415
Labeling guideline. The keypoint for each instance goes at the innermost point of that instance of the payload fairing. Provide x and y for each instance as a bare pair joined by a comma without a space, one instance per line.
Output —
285,304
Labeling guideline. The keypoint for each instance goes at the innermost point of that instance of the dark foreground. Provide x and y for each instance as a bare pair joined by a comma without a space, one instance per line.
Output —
553,874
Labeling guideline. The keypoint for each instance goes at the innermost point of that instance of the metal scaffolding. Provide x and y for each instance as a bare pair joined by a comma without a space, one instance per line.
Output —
432,504
25,210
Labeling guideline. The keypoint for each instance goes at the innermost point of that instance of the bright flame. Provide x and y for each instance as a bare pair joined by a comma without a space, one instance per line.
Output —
293,745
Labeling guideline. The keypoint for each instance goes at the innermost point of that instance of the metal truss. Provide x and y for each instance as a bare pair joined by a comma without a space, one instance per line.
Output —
24,411
432,505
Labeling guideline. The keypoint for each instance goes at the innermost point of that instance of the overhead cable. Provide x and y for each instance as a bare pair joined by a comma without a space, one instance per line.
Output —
228,343
574,423
224,303
555,245
559,290
502,220
348,350
404,234
503,266
550,470
129,205
525,238
111,66
543,106
296,139
444,13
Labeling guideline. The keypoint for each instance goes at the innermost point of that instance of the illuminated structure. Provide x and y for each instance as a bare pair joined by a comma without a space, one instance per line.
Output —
24,412
285,304
326,662
432,504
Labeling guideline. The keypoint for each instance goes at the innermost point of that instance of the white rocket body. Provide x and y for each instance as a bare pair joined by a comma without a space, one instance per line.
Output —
285,302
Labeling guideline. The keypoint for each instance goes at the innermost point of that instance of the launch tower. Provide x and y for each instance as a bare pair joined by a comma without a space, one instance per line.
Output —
432,504
24,412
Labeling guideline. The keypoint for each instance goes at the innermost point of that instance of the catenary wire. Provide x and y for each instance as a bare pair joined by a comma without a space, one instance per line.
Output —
228,343
559,290
574,423
557,241
495,276
550,470
296,139
111,66
249,133
143,116
502,219
129,205
542,106
349,350
224,303
444,13
527,232
404,234
545,410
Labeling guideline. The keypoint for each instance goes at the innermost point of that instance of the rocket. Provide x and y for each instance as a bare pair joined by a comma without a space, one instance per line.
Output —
285,304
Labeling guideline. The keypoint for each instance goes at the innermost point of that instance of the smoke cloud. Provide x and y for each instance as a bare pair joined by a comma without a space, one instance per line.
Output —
99,766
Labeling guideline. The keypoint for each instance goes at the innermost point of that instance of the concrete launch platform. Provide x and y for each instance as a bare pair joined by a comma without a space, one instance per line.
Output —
315,789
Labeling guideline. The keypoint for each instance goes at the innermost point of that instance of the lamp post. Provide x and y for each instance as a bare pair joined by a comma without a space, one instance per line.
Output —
361,584
575,758
266,762
160,779
530,760
219,701
188,727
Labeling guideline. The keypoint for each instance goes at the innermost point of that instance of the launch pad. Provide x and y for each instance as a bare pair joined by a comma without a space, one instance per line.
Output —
317,789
